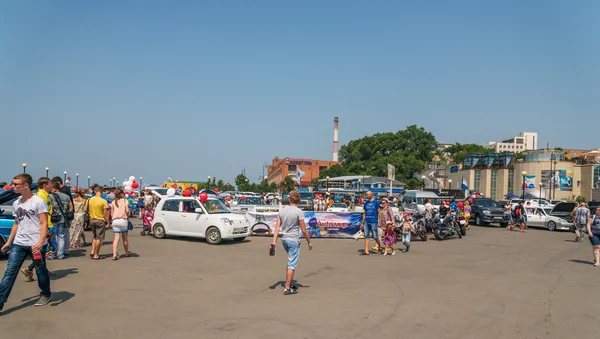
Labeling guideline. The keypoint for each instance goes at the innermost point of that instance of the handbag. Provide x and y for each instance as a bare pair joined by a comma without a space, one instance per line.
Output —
56,217
129,225
86,216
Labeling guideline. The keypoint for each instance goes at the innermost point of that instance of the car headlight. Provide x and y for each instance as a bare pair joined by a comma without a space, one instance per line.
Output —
486,212
227,221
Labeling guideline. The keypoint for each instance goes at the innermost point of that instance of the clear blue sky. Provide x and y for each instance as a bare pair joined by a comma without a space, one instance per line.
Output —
187,89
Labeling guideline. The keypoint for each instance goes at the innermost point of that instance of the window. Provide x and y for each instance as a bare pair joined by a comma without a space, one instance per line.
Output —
511,180
171,206
477,183
189,206
596,176
493,184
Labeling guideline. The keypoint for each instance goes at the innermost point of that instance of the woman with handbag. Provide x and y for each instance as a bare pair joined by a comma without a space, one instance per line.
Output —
76,230
120,223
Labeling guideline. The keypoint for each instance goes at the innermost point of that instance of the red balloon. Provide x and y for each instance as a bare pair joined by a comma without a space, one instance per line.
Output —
75,188
216,190
470,200
135,185
203,196
187,193
460,204
228,198
343,200
174,186
447,203
7,187
243,197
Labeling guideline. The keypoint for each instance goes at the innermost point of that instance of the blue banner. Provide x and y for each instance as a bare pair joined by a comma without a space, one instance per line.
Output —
318,224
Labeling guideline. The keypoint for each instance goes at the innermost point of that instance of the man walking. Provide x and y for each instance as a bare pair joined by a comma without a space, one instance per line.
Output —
291,221
582,215
27,238
61,203
98,211
370,220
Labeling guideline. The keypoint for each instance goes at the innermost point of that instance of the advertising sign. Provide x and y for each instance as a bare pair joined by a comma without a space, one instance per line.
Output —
550,178
566,180
391,172
529,182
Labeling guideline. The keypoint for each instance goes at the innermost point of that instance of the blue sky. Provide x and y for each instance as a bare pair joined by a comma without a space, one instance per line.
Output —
187,89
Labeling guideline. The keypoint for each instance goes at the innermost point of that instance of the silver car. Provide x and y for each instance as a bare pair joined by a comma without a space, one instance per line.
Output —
539,217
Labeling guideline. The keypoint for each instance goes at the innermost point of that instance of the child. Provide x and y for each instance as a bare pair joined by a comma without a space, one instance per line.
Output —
406,228
389,238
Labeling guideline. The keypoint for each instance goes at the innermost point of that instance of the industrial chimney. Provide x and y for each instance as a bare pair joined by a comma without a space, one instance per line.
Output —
335,139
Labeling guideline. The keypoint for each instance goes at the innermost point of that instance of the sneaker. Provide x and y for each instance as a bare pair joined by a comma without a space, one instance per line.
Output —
28,275
292,290
43,301
393,252
407,248
50,273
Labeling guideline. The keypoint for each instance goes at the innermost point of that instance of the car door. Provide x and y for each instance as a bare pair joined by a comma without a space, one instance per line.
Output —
171,214
534,218
192,223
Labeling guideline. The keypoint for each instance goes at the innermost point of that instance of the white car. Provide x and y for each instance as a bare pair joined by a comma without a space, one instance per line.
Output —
557,219
187,216
338,207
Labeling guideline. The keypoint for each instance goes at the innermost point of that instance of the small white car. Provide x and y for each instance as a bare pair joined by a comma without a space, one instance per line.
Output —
187,216
338,207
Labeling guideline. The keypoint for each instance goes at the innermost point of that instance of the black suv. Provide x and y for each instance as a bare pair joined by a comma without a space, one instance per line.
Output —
485,211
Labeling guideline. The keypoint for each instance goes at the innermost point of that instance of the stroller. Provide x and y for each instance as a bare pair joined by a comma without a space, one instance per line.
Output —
147,217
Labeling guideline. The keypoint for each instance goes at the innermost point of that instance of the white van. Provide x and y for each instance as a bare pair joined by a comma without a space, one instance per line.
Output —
415,200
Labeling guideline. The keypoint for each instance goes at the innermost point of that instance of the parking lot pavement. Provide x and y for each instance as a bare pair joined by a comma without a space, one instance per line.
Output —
490,284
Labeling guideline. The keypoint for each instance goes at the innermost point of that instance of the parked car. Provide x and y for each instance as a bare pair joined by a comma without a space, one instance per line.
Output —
247,202
532,203
306,201
559,217
486,210
187,216
415,200
338,207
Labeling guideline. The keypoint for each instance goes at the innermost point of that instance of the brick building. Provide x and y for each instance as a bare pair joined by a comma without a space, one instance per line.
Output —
280,168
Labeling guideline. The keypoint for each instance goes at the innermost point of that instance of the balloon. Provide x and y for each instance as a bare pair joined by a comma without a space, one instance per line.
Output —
170,192
470,201
7,187
447,203
460,204
203,196
132,178
228,198
135,185
216,190
127,188
187,193
126,196
343,200
243,197
174,185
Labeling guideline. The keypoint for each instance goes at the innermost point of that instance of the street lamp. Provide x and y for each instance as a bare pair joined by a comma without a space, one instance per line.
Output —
359,188
523,174
65,174
542,189
47,169
77,180
449,183
141,184
327,182
423,180
208,182
89,181
169,179
24,166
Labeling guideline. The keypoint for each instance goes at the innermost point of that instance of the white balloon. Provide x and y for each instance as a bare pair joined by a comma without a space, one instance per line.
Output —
126,183
132,178
170,192
127,188
126,196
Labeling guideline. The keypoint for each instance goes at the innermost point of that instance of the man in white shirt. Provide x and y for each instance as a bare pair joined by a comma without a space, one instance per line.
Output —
27,238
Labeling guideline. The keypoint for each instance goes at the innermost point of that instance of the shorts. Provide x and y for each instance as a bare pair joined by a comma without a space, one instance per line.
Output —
371,230
467,216
595,240
292,247
98,229
119,226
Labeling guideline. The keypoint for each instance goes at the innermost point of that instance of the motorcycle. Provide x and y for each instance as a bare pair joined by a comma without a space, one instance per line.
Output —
418,229
447,227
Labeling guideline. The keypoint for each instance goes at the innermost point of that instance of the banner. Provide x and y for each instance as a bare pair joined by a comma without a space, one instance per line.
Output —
566,180
318,224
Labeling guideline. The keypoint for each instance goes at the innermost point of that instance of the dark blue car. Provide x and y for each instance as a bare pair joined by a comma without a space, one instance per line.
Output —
6,216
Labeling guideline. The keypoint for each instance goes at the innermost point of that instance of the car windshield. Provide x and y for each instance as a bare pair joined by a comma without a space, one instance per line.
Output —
306,196
251,201
487,203
423,201
339,205
163,191
215,206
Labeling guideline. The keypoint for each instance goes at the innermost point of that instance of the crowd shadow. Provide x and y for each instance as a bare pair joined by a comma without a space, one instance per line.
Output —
76,253
59,274
57,299
282,284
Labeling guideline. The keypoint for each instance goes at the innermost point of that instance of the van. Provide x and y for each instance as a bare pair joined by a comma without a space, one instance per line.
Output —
415,200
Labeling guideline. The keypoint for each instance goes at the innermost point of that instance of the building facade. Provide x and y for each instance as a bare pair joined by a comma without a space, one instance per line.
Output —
380,186
548,175
524,141
280,168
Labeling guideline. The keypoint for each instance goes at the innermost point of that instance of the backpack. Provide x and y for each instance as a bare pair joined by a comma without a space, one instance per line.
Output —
56,215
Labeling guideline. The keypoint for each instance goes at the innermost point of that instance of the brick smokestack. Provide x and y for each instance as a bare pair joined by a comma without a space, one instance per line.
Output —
335,139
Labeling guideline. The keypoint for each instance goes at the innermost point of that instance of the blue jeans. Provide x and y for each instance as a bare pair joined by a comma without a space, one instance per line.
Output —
16,258
406,239
371,230
292,247
63,241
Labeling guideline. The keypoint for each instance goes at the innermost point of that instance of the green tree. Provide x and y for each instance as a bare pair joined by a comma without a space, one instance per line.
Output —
336,170
288,184
408,150
458,151
241,181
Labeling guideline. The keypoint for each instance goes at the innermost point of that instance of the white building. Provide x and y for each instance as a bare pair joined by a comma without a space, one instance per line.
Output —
524,141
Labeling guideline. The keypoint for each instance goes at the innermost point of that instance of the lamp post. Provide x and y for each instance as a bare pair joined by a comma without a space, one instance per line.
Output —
327,183
65,176
359,188
169,179
24,166
542,190
47,170
141,184
114,181
554,186
89,178
77,180
423,181
523,174
450,184
208,182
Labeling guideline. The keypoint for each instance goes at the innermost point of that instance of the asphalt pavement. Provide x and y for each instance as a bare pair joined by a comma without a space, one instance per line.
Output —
490,284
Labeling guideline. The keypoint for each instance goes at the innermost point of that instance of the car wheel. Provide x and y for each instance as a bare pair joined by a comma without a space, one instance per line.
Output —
239,239
551,226
478,221
503,224
159,231
213,236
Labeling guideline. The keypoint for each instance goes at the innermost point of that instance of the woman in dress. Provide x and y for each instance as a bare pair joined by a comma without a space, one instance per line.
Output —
593,229
76,229
119,212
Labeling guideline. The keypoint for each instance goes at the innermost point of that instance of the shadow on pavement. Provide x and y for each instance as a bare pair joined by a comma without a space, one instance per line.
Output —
282,284
60,297
582,261
202,240
59,274
75,253
57,299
